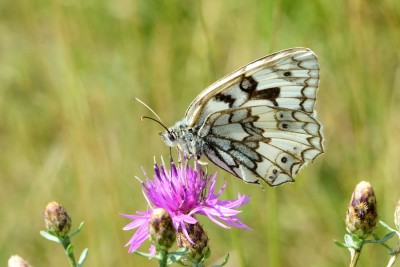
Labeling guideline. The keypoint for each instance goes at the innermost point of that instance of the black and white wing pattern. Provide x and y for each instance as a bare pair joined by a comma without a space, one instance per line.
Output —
258,122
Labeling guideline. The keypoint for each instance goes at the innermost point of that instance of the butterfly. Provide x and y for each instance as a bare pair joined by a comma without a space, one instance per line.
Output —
257,123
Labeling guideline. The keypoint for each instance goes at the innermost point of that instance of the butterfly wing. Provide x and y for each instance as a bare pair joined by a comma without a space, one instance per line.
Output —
259,121
286,79
262,142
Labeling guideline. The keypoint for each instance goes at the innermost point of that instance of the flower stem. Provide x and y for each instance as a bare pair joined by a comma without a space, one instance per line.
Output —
392,260
354,258
70,252
394,256
163,258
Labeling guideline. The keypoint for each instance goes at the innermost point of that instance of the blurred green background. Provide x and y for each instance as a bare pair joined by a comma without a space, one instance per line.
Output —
70,130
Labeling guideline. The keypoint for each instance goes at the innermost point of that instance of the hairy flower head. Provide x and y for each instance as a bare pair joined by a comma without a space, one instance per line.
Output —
198,249
57,219
161,229
17,261
362,214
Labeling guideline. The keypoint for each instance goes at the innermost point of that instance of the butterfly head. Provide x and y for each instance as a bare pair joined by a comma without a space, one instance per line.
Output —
175,135
184,138
169,138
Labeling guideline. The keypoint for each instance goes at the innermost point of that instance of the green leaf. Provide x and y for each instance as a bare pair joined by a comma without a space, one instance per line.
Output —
147,255
387,226
354,238
51,236
348,240
382,240
77,230
83,256
342,245
388,236
207,254
70,249
353,242
175,257
225,261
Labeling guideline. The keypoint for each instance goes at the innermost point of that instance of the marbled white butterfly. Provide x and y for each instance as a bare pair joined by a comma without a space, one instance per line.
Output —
258,122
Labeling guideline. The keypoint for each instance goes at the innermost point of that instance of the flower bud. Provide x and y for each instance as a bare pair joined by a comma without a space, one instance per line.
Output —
362,214
57,219
17,261
162,232
397,216
198,248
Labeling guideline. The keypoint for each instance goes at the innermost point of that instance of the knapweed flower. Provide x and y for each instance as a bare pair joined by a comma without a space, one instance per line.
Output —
183,192
17,261
57,219
199,248
162,232
362,214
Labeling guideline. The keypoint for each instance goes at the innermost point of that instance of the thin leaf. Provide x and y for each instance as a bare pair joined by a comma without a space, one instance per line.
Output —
77,230
176,257
224,262
147,255
70,249
83,256
207,254
382,240
50,236
343,245
387,226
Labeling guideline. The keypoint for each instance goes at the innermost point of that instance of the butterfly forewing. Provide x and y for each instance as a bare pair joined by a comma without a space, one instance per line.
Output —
259,121
287,79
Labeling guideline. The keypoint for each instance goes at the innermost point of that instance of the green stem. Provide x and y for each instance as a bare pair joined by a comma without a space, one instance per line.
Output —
66,242
163,258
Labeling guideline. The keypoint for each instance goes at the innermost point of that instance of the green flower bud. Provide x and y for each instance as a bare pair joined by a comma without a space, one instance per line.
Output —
162,232
397,216
362,214
199,248
57,219
17,261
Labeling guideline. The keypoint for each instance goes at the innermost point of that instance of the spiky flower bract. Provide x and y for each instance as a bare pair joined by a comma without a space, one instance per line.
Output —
161,229
198,249
183,192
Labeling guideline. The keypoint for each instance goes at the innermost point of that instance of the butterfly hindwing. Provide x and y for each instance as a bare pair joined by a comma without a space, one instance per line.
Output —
261,142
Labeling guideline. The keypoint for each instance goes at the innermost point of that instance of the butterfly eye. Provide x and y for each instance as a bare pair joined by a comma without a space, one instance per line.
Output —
171,136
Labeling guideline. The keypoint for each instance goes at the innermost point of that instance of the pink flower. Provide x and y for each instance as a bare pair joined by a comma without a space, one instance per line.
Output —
183,192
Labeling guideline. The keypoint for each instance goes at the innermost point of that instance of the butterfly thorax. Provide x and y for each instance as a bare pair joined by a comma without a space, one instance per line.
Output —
185,138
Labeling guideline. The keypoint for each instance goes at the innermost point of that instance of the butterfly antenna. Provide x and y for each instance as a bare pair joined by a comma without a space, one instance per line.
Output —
149,108
150,118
